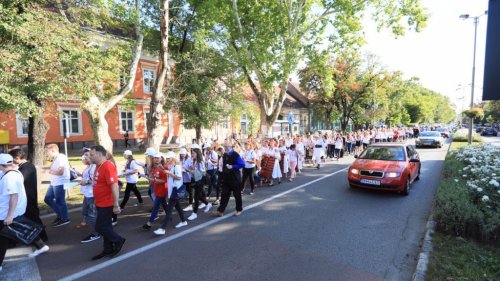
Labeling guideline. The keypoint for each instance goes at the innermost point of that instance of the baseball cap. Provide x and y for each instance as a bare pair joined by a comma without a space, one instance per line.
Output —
6,159
170,154
127,153
157,154
150,151
195,145
183,151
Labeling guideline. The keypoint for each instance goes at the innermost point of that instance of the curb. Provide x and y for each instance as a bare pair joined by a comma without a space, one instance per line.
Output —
423,257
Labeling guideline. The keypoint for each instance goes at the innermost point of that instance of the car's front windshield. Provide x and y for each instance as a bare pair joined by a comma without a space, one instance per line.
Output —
430,134
388,153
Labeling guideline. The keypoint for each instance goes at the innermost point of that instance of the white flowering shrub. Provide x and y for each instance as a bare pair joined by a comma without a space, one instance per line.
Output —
467,201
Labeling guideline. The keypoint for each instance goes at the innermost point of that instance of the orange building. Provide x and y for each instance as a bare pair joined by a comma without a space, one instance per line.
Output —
58,113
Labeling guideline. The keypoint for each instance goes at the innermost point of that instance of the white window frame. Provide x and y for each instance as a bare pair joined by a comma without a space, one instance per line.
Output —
144,69
19,126
61,120
121,119
145,113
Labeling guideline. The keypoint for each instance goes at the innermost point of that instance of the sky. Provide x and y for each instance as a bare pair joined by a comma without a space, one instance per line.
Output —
441,54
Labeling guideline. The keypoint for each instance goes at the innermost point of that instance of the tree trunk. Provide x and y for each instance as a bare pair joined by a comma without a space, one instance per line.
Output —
40,129
97,115
156,130
198,133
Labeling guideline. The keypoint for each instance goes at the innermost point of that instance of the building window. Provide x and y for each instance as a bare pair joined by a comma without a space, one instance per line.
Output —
148,80
22,126
127,121
70,121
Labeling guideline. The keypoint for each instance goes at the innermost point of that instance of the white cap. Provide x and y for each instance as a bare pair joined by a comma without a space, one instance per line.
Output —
195,145
183,151
127,153
157,154
150,151
170,154
6,159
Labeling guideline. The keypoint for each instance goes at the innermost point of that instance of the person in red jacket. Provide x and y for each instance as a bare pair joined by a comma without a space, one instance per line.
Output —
158,179
106,196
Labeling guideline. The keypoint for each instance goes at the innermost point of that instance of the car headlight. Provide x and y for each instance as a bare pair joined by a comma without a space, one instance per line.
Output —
355,171
392,175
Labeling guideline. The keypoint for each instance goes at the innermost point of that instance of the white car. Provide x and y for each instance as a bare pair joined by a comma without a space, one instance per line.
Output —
429,138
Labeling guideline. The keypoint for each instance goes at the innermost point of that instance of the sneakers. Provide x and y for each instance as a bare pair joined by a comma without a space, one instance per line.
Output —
138,204
159,231
60,223
237,213
39,251
216,202
181,224
207,208
56,221
114,222
252,193
146,226
90,238
218,214
188,208
192,217
202,205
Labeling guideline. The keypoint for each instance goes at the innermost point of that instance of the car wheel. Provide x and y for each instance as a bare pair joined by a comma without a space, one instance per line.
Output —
406,190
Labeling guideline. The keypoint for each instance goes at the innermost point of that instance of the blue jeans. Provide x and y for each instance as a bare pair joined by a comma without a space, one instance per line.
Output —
59,205
89,212
156,207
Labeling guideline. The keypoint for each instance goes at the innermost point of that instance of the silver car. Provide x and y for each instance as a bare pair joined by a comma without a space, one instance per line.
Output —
429,138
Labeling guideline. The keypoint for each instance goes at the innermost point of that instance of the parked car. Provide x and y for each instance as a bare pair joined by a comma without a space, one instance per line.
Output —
489,132
386,166
479,129
445,133
429,138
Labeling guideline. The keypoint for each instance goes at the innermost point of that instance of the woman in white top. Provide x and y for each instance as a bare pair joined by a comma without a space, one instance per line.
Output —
294,157
197,170
338,145
175,182
274,151
250,158
300,148
284,154
131,173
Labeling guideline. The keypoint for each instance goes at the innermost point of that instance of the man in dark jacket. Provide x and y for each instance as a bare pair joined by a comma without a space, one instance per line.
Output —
232,163
30,185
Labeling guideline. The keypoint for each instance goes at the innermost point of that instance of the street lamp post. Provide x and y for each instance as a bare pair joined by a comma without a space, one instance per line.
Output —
476,21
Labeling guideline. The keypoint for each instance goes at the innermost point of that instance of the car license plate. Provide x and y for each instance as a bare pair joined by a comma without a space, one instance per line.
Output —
372,182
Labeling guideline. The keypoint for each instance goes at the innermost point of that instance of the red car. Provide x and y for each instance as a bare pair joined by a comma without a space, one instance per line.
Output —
386,166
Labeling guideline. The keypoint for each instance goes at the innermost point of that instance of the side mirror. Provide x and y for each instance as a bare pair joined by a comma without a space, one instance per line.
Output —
414,160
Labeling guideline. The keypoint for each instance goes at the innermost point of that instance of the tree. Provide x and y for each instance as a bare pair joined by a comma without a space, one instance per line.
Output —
269,38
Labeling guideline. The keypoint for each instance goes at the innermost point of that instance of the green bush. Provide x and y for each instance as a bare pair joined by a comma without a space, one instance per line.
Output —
462,135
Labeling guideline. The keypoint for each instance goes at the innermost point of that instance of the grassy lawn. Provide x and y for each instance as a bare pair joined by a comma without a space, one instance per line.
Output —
454,258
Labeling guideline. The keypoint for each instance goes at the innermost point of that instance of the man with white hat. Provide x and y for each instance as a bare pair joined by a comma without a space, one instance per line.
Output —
13,203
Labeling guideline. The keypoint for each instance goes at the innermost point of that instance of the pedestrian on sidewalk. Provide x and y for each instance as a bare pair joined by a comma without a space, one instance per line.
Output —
174,182
59,173
89,211
198,171
131,173
231,180
106,196
158,179
13,203
30,185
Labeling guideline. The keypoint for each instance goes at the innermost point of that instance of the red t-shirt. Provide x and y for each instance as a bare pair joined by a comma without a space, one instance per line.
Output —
161,189
104,176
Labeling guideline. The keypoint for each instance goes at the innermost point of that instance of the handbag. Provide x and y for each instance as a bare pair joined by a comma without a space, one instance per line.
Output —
22,229
179,193
73,175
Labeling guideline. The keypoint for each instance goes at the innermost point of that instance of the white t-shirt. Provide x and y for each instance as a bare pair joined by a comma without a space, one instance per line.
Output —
88,175
60,161
212,156
12,182
135,176
249,155
173,183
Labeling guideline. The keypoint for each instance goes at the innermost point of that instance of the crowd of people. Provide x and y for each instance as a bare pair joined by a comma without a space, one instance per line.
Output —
204,174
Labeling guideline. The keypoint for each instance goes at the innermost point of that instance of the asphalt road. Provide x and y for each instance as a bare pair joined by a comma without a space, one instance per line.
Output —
316,228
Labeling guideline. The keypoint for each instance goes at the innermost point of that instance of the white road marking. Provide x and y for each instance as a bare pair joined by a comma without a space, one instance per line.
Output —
153,245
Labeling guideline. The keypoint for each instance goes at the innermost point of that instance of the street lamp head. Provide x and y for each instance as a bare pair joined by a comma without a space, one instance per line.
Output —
464,16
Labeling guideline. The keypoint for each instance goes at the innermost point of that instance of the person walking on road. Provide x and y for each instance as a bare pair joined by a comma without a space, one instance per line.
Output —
158,180
131,173
231,181
175,182
197,170
30,185
13,203
106,196
55,196
88,207
250,158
